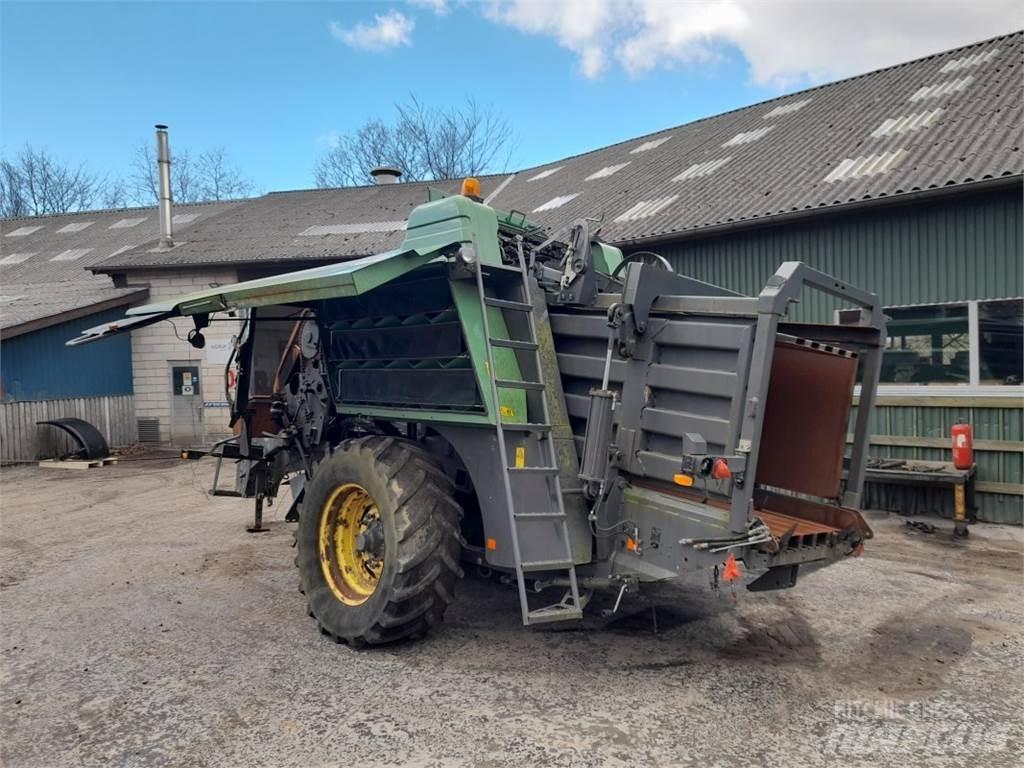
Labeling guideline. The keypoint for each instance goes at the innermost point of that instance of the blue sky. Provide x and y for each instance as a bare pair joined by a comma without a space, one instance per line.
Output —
269,81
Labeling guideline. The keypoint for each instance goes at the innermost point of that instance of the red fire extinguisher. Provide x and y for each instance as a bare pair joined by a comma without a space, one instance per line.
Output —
963,445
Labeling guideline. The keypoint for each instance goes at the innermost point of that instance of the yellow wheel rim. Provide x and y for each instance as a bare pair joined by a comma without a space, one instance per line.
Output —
351,543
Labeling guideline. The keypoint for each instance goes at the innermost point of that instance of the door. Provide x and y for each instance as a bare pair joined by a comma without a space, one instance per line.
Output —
186,405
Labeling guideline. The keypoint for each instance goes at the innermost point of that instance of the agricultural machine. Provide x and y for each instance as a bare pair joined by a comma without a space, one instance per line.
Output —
555,411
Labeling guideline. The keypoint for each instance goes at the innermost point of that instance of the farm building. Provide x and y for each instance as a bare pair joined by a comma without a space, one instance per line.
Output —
47,294
906,181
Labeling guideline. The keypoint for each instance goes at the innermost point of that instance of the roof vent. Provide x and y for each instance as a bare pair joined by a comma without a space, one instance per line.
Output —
386,174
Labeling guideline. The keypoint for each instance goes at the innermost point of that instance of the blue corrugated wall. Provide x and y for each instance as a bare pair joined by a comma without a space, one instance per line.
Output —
37,365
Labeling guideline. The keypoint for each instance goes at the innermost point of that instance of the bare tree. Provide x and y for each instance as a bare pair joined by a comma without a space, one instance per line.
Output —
425,142
210,176
115,194
34,183
143,179
12,197
218,179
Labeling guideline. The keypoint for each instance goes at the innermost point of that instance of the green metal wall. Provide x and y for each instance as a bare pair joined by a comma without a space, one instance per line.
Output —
953,249
957,248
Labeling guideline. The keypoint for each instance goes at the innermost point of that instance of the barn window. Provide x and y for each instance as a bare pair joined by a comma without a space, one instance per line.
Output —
965,344
927,345
1001,342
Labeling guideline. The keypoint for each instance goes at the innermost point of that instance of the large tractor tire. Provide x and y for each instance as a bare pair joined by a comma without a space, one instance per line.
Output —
378,542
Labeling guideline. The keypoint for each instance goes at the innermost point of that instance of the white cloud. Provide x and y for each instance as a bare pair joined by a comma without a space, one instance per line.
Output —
581,26
784,41
330,140
389,30
440,7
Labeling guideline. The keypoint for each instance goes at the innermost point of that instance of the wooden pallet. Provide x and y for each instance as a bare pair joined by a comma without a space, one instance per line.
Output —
77,463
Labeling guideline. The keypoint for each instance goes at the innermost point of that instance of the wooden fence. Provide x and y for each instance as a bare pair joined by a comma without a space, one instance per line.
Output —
22,439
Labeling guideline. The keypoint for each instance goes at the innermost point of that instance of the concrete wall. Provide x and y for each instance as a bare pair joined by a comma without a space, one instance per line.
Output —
156,347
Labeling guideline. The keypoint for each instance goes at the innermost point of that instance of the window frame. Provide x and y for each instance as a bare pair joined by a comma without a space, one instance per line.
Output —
974,387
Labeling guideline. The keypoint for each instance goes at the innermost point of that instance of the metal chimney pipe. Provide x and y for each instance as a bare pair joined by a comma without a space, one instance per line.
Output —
163,162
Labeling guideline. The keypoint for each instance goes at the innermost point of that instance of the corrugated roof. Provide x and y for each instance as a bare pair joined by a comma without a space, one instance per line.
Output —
976,136
308,225
63,247
22,304
45,261
858,139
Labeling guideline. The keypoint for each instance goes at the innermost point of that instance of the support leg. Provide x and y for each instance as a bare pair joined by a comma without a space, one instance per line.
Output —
257,523
960,511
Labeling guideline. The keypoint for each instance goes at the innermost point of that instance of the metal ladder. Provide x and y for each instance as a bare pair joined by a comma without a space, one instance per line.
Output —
529,551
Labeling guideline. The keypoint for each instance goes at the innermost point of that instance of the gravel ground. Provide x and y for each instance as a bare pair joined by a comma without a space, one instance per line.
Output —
141,626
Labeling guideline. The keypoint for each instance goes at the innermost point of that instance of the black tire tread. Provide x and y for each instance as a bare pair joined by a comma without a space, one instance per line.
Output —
427,522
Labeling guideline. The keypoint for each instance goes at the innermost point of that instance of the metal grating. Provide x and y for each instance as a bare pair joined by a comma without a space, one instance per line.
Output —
649,145
906,123
702,169
871,165
786,109
748,136
545,174
942,89
184,218
149,430
23,231
71,254
127,223
17,258
973,60
646,208
556,202
77,226
352,229
607,171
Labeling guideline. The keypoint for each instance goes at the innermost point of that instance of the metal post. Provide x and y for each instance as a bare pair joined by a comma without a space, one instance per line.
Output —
753,416
871,360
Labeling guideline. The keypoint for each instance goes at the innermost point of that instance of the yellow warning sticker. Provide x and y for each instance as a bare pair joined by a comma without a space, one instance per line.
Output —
506,411
520,456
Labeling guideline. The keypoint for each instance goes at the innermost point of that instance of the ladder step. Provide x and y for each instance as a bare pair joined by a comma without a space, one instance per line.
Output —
555,612
527,427
546,565
514,344
504,304
556,515
535,470
510,384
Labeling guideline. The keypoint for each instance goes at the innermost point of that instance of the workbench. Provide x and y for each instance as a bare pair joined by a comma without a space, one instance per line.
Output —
930,473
